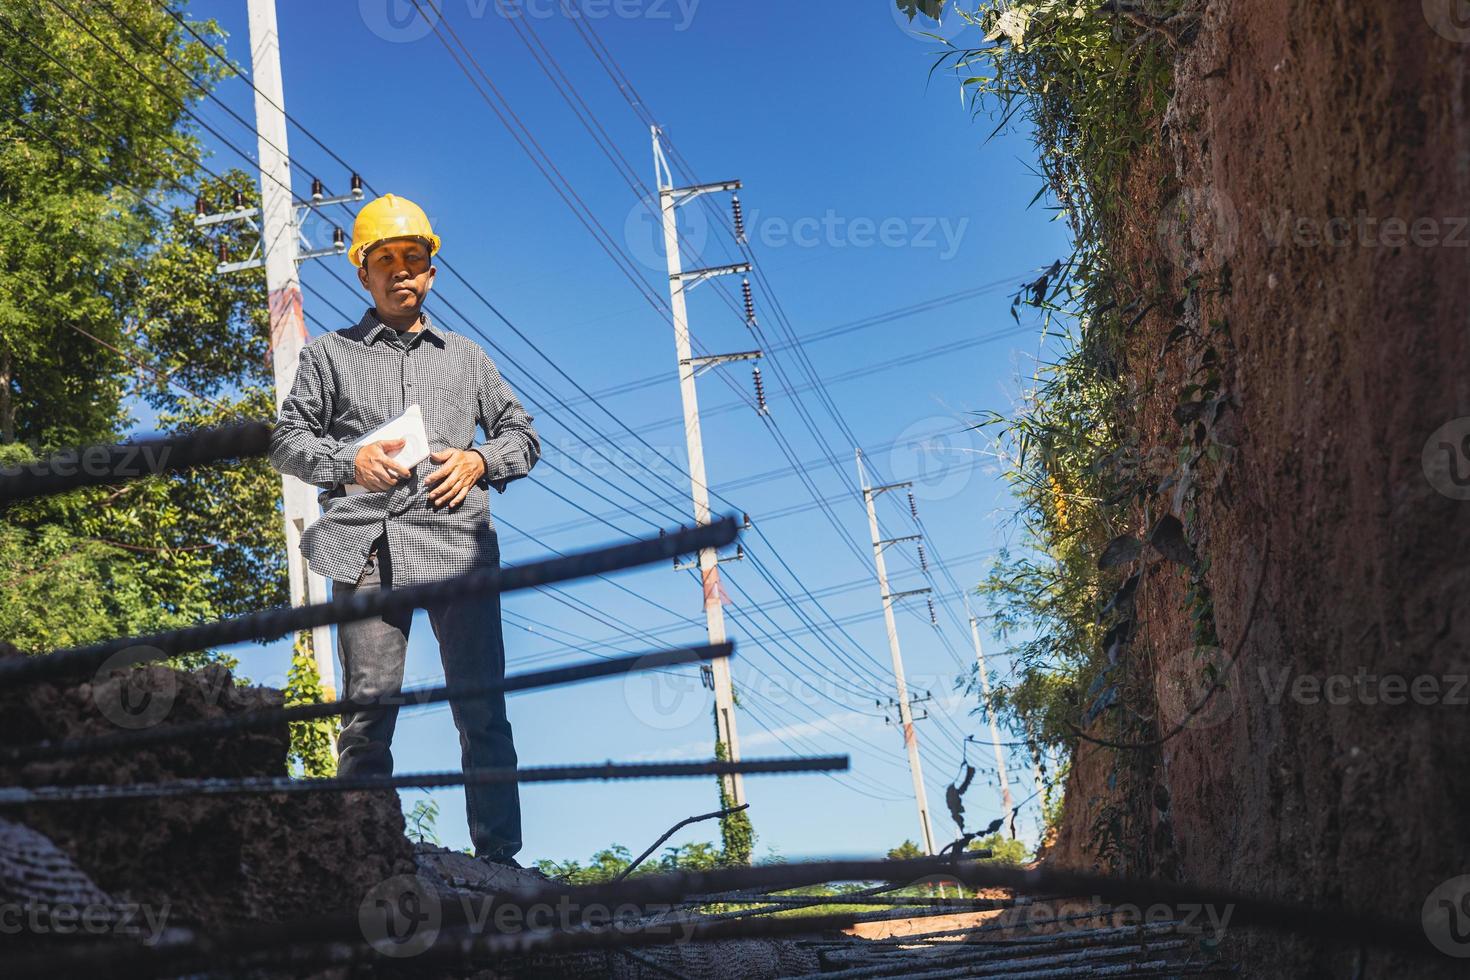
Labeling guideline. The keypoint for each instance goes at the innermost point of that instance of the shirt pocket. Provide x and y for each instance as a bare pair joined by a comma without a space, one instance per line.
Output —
449,415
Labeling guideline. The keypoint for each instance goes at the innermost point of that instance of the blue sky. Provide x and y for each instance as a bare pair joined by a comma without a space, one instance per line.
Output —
867,189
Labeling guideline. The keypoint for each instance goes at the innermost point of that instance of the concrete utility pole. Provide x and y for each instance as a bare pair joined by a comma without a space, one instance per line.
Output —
905,713
279,248
670,198
1000,759
278,234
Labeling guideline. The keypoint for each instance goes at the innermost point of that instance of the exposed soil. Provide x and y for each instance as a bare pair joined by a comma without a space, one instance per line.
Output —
1298,130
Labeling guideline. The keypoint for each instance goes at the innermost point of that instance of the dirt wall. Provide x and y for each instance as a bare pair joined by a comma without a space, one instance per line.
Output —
198,861
1317,157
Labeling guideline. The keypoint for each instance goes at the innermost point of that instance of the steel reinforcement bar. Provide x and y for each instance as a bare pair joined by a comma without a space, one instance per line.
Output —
1246,909
90,466
271,624
293,946
266,718
340,939
25,796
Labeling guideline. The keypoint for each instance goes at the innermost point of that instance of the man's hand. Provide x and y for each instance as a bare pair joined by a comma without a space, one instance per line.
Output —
461,469
374,467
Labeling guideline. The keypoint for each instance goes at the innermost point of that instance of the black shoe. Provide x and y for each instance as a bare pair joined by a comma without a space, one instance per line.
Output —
505,861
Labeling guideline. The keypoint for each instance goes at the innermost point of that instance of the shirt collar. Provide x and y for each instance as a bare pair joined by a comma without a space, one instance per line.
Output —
376,328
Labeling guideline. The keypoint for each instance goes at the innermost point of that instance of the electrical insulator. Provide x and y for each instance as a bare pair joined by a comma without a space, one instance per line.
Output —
749,302
317,193
913,507
923,561
933,619
357,185
746,525
739,219
339,240
739,552
760,392
199,206
224,252
239,199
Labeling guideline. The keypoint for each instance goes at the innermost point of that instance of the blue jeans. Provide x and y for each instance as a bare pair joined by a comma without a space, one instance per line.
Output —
472,649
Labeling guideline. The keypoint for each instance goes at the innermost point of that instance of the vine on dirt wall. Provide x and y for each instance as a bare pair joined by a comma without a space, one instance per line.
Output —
1096,495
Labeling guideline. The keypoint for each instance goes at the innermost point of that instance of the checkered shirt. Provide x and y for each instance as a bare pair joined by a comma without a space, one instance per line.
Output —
349,383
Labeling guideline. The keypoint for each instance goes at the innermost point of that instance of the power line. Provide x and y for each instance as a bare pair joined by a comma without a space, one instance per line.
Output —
841,329
776,433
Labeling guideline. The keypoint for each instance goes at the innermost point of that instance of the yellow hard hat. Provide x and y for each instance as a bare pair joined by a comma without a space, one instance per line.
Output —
390,216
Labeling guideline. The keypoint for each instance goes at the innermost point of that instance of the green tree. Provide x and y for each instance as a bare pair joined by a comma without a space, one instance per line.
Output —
109,304
1003,850
905,851
84,146
105,299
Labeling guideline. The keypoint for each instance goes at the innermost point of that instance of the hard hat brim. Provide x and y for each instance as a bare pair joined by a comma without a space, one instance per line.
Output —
358,250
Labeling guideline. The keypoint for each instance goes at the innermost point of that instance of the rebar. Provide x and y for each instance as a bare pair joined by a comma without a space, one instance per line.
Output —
19,796
271,624
1245,909
89,466
268,717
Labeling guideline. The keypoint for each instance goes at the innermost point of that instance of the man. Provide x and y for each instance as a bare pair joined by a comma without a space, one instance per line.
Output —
413,524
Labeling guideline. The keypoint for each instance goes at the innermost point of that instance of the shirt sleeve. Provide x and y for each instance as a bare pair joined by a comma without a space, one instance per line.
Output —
300,446
511,446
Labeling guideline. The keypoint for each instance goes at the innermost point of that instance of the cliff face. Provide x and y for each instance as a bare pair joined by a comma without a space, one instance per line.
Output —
1315,175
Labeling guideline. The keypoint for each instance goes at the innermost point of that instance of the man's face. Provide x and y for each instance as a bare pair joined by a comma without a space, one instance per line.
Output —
398,275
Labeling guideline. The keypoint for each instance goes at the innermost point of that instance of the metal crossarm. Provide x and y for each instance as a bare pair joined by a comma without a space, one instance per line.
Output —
874,491
251,218
895,596
703,364
694,277
683,195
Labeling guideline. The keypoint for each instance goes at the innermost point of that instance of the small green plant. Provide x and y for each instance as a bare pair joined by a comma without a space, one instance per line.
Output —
421,821
313,743
737,835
